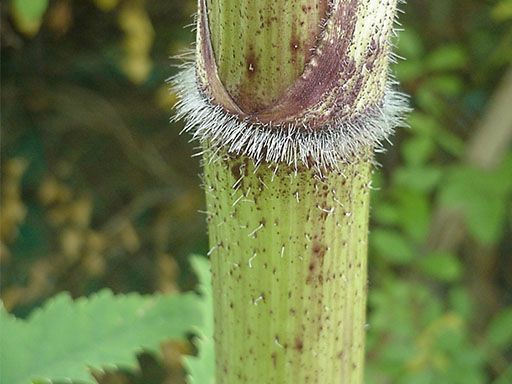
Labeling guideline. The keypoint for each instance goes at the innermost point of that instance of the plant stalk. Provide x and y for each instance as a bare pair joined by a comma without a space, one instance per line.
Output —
289,272
289,238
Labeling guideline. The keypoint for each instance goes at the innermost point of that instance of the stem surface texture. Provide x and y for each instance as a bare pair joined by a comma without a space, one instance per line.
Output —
289,272
289,98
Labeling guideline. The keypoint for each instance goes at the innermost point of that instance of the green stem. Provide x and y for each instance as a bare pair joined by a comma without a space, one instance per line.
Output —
261,47
289,272
289,242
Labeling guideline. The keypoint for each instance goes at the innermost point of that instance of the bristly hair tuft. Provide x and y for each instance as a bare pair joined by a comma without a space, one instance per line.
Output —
337,142
340,139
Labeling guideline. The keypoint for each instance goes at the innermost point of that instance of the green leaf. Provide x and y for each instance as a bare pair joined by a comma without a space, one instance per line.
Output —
386,214
499,333
61,340
446,85
442,266
424,123
392,246
410,44
414,212
461,302
408,71
428,125
482,196
502,11
201,368
450,142
505,377
448,57
428,99
28,15
32,10
420,178
417,150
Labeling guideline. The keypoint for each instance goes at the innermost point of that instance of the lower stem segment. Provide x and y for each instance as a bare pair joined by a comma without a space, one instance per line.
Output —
289,261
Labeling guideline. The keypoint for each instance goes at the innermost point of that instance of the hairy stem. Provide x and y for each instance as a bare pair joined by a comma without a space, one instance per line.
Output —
289,99
261,46
289,272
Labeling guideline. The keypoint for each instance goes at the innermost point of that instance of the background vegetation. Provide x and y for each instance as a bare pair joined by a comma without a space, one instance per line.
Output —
99,190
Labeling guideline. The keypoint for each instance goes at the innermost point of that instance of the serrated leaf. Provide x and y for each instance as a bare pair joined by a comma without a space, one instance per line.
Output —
63,338
201,368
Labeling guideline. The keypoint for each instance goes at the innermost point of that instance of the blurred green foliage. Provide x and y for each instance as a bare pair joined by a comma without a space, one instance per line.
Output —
437,295
99,190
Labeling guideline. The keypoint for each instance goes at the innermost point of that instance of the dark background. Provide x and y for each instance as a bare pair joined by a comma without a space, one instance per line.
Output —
100,190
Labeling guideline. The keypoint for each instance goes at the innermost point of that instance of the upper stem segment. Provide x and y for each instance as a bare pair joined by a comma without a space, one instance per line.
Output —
301,82
261,47
286,60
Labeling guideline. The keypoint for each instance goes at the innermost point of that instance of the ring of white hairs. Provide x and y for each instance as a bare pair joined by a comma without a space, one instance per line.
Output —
338,142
